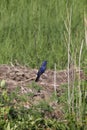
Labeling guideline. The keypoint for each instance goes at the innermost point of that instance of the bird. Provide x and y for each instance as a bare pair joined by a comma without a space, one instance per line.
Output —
41,70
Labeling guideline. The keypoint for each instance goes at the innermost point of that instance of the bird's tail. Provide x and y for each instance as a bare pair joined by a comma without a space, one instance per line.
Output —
37,78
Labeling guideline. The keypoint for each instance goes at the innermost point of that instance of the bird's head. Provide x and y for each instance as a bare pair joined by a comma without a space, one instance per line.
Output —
44,63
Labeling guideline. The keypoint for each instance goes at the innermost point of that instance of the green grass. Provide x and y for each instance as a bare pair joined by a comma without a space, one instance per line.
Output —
31,31
15,116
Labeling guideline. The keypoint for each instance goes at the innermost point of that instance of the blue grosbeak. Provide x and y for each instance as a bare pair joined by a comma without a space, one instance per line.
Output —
41,70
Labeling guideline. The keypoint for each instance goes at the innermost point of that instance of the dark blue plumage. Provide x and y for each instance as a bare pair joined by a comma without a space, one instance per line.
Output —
41,70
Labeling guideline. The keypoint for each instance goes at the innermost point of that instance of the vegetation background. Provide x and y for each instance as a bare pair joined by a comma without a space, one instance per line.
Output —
33,30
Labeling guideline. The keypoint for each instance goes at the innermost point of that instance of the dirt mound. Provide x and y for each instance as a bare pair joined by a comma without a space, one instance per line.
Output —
21,77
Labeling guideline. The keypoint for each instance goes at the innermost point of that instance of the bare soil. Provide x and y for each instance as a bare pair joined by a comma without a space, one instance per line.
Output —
23,77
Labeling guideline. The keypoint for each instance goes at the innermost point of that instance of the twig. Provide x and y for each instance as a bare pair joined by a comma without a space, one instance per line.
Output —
55,78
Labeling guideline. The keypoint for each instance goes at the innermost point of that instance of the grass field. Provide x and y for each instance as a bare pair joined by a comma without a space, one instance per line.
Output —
31,31
35,30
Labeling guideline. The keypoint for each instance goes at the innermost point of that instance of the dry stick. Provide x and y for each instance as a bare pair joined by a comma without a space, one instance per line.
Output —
69,41
73,87
55,78
79,89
